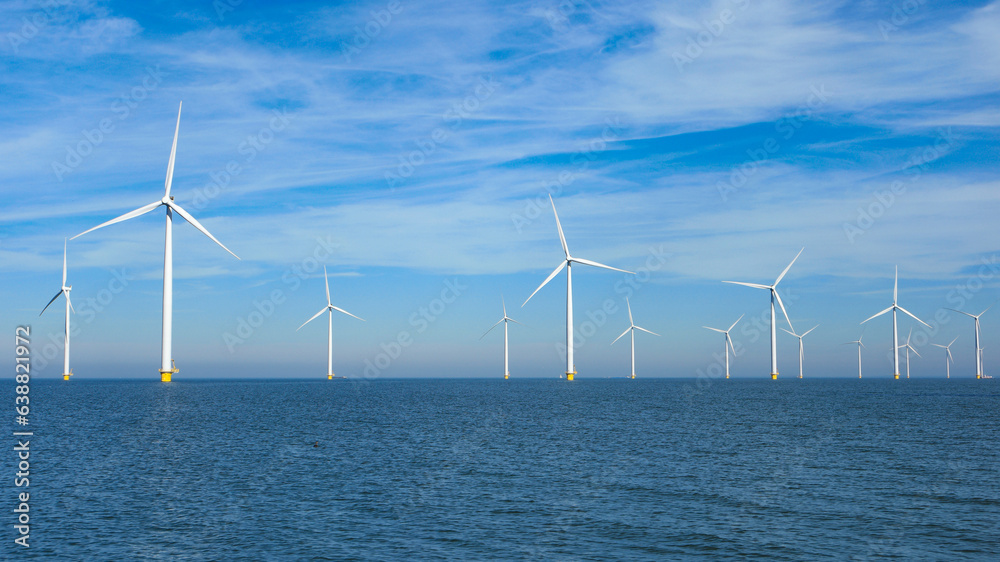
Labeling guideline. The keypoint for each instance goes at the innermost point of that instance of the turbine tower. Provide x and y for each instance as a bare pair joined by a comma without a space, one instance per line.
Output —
329,339
908,348
632,328
67,373
505,319
729,341
774,297
948,359
860,345
800,344
167,368
568,264
979,350
895,337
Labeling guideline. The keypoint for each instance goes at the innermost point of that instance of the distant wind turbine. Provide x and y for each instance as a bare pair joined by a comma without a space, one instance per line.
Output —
728,344
800,344
948,359
895,337
774,297
908,348
67,373
860,345
329,340
167,368
568,264
979,351
632,328
505,319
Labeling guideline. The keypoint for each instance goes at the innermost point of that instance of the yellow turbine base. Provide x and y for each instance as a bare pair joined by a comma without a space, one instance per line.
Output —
774,376
896,376
166,375
633,375
569,376
978,376
727,375
66,376
506,376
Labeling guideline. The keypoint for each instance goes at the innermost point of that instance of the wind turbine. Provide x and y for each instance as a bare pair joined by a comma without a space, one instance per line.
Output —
729,341
568,264
167,368
329,340
632,328
774,297
800,345
69,305
505,319
979,351
895,338
860,345
909,348
948,359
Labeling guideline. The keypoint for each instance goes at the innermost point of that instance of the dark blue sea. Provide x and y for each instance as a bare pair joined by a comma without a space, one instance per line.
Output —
525,469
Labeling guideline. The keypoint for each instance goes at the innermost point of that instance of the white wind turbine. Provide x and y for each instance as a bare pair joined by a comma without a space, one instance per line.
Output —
908,348
505,319
774,297
568,264
979,351
69,305
729,341
632,328
895,337
329,339
948,359
860,345
166,360
800,344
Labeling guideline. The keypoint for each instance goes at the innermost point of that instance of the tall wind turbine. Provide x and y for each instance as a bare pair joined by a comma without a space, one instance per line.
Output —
69,305
860,345
800,344
895,337
505,319
729,341
167,368
908,348
632,328
774,297
979,351
568,264
948,359
329,339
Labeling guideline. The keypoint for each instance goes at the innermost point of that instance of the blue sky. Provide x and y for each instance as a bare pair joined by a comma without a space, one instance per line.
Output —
411,147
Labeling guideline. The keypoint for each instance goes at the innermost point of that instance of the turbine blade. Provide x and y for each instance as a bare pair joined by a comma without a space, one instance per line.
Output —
714,329
311,319
912,316
792,333
737,322
895,286
491,329
51,301
780,277
960,312
810,329
949,355
504,304
939,345
782,305
129,215
515,321
562,237
341,310
754,285
547,279
729,340
623,334
987,308
595,264
64,262
627,304
877,315
69,302
913,350
194,222
953,341
327,279
173,153
645,330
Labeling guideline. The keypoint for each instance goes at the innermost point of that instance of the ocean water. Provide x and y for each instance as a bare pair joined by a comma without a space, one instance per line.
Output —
522,469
